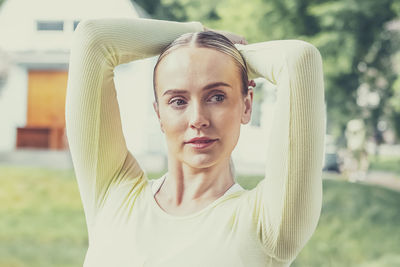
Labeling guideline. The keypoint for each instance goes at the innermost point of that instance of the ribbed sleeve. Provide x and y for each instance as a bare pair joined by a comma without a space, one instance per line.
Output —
287,203
93,122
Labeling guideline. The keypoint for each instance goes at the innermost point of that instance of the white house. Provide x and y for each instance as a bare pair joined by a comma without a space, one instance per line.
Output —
35,42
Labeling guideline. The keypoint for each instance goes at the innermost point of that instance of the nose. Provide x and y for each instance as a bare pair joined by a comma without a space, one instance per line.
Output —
198,117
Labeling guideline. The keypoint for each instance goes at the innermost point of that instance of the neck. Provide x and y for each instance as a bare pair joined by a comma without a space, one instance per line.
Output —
185,184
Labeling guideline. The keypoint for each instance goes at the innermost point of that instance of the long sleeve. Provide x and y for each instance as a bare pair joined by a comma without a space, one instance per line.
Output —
97,145
288,201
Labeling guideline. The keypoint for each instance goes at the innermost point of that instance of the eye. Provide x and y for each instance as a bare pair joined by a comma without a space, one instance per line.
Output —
217,98
177,102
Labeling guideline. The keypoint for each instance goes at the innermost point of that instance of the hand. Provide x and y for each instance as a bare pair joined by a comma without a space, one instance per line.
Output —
234,38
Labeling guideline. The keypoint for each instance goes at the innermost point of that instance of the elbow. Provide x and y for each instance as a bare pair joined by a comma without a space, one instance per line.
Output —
305,55
305,67
87,35
86,29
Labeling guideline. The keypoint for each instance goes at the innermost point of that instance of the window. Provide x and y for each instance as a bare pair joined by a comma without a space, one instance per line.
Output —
76,22
51,25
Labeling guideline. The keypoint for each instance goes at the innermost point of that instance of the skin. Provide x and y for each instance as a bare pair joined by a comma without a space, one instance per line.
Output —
198,177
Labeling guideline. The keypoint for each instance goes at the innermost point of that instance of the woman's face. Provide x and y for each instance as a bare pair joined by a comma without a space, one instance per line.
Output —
199,95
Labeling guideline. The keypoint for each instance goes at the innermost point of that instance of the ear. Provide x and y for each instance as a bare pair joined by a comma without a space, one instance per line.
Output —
155,106
248,105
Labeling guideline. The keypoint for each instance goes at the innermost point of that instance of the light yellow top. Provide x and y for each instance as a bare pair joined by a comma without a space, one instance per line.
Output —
265,226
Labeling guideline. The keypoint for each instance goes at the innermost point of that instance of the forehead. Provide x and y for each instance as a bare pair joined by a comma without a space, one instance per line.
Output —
194,67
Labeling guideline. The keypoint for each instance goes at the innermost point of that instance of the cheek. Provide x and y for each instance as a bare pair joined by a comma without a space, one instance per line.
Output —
173,123
228,122
227,118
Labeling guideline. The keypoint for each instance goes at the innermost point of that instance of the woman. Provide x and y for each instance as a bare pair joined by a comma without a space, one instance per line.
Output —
195,214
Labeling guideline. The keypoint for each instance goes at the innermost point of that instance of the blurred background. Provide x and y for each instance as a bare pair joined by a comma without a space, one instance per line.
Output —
41,216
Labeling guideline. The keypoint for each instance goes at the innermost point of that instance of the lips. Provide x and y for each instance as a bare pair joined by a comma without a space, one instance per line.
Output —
201,142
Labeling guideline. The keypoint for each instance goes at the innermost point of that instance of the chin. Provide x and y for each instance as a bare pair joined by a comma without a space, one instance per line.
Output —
201,161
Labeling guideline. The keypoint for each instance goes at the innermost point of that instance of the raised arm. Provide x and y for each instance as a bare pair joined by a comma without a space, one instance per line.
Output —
93,122
288,201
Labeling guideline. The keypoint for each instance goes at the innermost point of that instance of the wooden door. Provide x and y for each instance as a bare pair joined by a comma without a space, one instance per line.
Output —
45,111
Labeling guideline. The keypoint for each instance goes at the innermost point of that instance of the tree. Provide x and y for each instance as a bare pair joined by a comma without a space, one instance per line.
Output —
357,51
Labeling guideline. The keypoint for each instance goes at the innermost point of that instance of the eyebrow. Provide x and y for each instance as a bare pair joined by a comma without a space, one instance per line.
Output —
207,87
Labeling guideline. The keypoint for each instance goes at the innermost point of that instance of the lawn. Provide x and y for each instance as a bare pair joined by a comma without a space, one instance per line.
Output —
42,222
385,163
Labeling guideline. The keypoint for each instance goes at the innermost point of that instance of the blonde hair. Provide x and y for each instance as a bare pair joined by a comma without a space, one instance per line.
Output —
206,39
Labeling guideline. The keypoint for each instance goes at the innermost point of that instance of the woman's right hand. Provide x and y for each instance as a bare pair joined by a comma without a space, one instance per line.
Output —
234,38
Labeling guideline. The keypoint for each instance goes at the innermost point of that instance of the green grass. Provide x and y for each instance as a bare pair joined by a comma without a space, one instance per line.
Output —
385,163
358,227
42,222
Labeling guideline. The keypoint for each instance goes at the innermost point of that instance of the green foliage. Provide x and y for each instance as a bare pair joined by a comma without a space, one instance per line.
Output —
357,27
